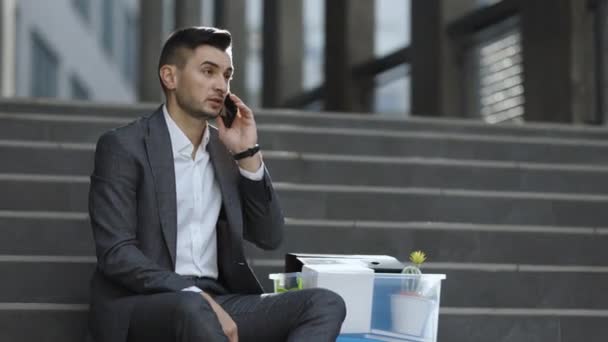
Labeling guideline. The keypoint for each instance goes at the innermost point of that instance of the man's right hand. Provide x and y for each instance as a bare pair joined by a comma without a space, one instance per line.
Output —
228,325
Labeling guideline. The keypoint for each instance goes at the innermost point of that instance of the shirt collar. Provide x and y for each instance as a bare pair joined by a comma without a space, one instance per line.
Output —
179,141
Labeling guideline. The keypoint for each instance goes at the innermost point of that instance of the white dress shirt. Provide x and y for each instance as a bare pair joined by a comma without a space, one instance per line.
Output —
199,200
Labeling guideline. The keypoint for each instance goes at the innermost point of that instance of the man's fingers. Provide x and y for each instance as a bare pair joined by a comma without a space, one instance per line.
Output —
243,109
237,100
229,327
233,336
231,332
220,123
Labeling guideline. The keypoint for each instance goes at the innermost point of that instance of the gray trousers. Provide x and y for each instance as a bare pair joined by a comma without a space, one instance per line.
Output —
296,316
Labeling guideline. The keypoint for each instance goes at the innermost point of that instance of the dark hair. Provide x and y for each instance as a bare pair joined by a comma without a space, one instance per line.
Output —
185,40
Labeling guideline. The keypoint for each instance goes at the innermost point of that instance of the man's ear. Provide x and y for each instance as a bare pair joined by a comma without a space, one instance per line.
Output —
168,75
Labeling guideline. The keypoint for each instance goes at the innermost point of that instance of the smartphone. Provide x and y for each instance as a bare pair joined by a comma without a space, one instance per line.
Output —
230,111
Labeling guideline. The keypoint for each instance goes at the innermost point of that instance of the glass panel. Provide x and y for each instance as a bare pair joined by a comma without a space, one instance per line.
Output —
79,90
83,7
45,65
314,44
207,8
392,93
253,78
64,45
393,24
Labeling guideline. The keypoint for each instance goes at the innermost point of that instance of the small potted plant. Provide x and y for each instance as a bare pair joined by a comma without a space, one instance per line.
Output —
410,308
284,282
411,285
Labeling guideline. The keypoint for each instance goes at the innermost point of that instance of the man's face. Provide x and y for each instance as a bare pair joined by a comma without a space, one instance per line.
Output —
203,82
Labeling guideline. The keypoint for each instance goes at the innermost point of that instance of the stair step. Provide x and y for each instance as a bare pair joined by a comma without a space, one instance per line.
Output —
355,202
477,147
507,289
46,160
88,111
66,282
45,279
23,234
48,128
356,170
412,204
35,324
443,242
524,328
367,141
436,173
70,326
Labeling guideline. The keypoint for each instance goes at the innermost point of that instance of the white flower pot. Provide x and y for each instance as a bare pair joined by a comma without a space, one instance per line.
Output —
413,315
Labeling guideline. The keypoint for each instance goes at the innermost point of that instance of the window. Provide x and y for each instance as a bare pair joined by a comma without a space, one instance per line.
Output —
45,69
499,64
314,43
392,92
83,7
108,26
78,89
392,32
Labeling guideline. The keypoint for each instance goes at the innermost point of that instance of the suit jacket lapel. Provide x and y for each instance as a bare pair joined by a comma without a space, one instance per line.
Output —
160,157
227,175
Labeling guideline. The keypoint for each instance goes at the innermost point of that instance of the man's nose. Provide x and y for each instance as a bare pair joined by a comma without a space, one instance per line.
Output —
221,85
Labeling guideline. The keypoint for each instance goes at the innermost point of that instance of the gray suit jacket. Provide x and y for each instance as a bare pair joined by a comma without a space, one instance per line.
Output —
132,208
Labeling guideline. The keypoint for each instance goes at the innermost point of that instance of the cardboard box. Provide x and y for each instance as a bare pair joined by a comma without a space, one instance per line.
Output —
354,283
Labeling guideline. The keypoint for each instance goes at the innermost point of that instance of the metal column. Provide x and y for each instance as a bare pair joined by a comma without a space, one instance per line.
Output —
349,37
283,51
151,34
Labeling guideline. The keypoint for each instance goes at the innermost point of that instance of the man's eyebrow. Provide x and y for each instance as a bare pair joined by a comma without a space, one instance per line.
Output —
210,63
215,65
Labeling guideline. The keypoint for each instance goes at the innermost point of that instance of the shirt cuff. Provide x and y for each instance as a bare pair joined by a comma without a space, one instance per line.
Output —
254,176
192,289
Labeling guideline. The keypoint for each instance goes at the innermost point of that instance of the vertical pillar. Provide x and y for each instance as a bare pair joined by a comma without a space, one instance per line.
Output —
3,49
437,71
283,51
188,13
583,63
8,34
151,36
426,59
230,15
555,41
602,62
349,40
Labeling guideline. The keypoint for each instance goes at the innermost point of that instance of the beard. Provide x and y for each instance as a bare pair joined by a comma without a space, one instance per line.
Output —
188,104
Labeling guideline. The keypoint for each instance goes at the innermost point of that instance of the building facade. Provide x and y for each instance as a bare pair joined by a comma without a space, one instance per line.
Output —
88,49
72,49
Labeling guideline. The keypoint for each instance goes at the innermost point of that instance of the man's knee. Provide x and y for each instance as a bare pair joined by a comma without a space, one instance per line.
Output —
195,319
328,303
191,306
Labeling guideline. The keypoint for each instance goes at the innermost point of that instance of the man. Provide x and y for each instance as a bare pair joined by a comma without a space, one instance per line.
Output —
170,203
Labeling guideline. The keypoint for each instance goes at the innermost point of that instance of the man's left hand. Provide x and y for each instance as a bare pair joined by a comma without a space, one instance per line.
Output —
241,135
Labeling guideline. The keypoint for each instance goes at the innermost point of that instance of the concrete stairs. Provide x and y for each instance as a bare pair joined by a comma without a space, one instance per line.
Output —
514,215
